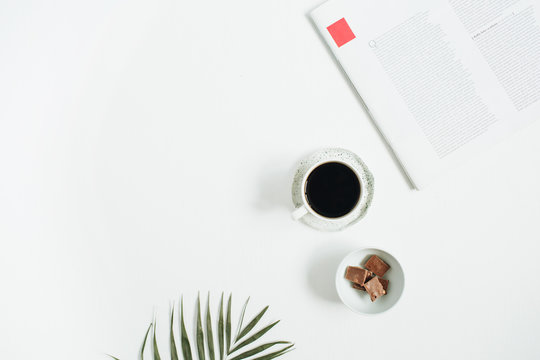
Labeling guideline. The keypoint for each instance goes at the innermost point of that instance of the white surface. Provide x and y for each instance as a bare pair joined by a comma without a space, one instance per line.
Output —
360,301
147,149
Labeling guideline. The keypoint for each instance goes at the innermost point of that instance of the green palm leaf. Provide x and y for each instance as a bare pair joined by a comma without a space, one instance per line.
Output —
253,337
200,334
186,347
241,321
204,336
174,351
275,354
156,351
252,324
221,330
209,334
258,349
228,324
141,354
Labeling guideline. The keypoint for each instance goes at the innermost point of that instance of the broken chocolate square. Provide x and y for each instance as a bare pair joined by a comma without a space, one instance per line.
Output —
358,287
374,288
384,283
370,276
376,265
356,275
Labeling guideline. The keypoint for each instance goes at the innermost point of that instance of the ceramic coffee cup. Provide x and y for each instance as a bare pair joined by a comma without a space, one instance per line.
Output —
358,203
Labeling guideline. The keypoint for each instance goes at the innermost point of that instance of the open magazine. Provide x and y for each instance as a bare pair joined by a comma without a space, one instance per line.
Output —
441,78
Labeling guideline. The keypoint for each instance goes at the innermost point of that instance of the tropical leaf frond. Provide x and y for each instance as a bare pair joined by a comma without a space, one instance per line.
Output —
209,333
200,334
221,330
254,337
141,354
252,324
154,345
186,347
205,338
174,351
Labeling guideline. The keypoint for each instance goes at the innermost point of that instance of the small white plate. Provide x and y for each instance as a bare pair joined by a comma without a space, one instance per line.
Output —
359,301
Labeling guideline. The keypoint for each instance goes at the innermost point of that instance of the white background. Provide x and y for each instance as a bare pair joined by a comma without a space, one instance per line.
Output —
147,150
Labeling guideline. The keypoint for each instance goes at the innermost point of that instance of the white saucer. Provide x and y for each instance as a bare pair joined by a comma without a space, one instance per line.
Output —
353,161
359,301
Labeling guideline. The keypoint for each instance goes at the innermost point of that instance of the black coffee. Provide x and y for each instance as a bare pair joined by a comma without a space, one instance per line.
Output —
332,189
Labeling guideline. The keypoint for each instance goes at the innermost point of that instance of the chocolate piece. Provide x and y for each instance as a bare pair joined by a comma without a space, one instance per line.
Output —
370,276
376,265
384,284
374,288
356,275
358,287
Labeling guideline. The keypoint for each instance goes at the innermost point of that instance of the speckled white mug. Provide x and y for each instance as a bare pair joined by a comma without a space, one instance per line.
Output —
306,214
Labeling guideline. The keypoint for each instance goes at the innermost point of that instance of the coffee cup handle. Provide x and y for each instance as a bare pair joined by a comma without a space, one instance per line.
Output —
299,212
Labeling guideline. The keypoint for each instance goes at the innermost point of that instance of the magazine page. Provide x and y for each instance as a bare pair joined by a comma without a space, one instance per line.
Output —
442,79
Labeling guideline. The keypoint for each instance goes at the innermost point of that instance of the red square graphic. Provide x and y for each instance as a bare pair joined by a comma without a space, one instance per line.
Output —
341,32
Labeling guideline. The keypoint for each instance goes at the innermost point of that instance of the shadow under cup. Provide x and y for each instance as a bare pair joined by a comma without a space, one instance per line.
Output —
332,189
